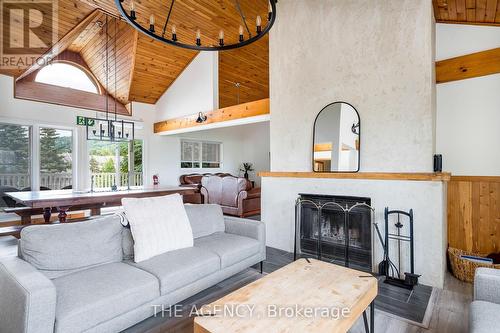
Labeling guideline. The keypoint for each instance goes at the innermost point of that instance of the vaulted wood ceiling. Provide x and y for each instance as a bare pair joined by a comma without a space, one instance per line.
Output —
146,68
485,12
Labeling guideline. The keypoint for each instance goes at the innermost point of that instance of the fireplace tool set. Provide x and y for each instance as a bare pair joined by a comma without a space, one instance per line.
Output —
399,239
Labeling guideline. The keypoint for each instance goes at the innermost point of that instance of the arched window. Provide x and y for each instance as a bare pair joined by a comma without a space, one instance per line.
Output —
67,75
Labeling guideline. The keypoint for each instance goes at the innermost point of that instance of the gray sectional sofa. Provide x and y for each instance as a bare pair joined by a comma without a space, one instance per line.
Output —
485,308
81,277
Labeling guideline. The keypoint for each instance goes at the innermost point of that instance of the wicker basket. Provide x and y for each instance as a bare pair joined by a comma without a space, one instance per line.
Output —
464,269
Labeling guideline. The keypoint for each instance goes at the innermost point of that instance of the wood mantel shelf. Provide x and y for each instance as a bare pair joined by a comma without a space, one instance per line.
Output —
420,176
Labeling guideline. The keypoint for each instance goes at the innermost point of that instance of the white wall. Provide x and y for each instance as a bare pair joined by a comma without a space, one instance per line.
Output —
376,55
195,90
454,40
245,143
468,111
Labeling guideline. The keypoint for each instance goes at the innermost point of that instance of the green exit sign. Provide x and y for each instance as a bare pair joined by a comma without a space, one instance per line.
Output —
84,121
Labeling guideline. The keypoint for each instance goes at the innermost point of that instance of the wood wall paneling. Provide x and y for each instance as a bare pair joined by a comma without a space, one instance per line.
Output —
468,66
474,214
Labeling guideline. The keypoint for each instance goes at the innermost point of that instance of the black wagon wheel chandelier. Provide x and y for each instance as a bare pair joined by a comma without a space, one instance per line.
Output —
130,16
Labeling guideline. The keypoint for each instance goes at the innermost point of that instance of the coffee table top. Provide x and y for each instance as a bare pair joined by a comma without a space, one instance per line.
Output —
301,297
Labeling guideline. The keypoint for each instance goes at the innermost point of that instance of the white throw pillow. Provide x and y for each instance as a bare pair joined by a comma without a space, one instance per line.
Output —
158,225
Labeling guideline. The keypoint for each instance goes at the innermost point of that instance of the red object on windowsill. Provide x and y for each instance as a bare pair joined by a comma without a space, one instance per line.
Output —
156,180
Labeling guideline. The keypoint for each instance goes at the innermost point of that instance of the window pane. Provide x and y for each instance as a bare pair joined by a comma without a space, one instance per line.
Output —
14,160
66,75
211,152
56,147
109,164
186,151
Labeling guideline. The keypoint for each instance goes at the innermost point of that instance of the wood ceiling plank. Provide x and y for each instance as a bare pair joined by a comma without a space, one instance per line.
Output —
468,66
491,10
452,10
480,10
461,10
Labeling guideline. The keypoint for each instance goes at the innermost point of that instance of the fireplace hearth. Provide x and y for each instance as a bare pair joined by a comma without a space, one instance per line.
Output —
335,229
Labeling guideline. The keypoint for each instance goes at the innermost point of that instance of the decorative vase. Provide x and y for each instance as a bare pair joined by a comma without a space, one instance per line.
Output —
246,175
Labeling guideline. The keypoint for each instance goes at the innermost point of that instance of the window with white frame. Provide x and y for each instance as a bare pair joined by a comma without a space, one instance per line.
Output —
200,154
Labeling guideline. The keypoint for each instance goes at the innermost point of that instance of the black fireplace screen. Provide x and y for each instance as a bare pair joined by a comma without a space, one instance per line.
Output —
335,229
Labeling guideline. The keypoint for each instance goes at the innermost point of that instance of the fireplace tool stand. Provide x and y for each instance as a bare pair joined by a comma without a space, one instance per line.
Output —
411,279
346,210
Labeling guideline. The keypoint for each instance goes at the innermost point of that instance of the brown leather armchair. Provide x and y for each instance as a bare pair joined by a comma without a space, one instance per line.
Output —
235,195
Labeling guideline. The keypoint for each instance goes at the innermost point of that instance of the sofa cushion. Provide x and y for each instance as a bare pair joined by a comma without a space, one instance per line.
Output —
230,248
482,317
60,249
205,219
179,268
98,294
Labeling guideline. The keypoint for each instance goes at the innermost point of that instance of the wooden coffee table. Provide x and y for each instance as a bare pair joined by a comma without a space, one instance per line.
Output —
305,296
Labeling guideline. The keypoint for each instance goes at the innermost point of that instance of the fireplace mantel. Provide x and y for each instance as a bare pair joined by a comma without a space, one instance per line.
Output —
419,176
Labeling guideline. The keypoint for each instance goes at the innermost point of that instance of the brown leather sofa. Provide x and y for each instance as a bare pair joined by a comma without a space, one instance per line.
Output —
235,194
194,180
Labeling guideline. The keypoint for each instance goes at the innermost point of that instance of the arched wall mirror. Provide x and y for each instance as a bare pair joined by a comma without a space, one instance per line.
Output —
336,139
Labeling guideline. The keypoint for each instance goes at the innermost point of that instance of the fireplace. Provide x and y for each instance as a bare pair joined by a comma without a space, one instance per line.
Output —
335,229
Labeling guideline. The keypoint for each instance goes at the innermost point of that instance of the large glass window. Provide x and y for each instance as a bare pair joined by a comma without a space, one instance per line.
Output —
56,164
68,76
15,160
200,154
116,163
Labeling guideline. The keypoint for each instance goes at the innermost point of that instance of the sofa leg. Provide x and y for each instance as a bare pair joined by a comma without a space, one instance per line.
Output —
261,266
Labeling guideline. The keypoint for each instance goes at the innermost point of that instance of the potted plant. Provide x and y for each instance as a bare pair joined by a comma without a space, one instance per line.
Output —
246,168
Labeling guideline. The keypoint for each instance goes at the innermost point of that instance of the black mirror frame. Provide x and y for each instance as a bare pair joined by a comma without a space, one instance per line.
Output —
359,135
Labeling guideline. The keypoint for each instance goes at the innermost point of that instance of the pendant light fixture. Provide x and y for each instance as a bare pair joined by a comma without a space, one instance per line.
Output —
131,16
110,128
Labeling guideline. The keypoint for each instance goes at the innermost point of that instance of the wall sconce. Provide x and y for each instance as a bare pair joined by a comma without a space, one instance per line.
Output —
355,128
201,118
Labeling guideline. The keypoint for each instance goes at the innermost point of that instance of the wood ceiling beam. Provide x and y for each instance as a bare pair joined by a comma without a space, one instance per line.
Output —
63,43
47,93
252,109
468,66
132,64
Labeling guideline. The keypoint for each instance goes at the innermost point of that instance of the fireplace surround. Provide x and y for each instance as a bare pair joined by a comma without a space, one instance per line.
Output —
334,228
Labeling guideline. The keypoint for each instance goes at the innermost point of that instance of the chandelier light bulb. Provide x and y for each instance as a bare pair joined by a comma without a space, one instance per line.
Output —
221,38
270,12
241,33
174,33
152,23
198,37
132,10
258,22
